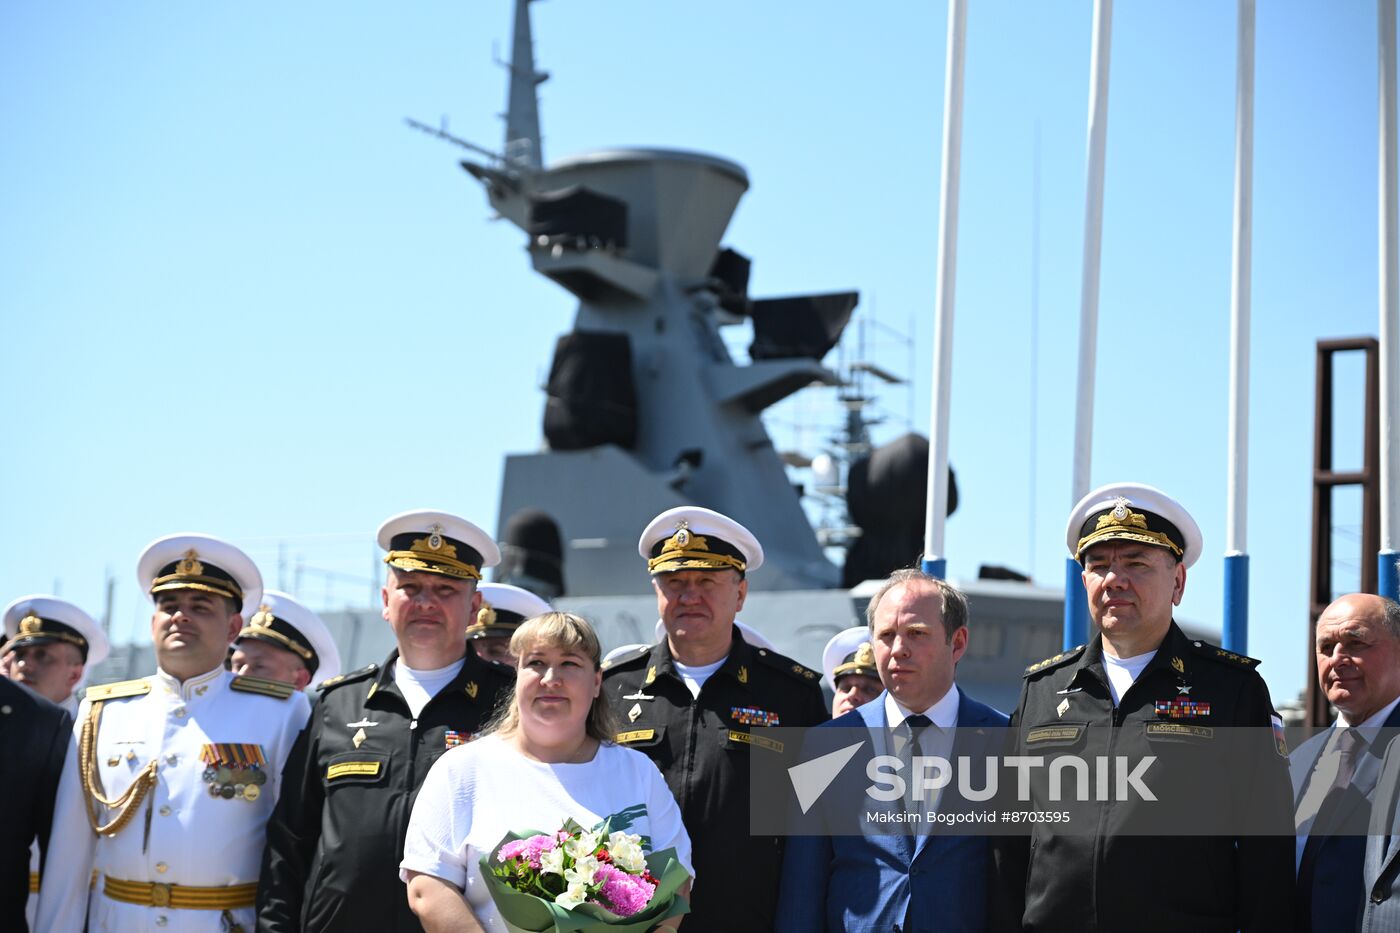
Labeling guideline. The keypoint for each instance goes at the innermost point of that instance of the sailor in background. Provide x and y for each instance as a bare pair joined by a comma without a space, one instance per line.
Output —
336,839
50,643
1142,689
690,701
176,773
287,642
503,608
849,662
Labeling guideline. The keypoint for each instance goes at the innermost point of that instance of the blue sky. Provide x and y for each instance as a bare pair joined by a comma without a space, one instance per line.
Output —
239,296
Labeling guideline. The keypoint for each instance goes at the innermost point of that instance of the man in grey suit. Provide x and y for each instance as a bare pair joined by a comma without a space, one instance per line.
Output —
1335,772
1380,913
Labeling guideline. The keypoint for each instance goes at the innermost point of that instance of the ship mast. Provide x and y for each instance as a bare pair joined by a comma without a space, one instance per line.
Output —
523,147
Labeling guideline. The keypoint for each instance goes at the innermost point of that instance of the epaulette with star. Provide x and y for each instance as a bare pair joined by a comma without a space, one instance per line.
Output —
636,654
118,690
349,677
277,689
1218,653
787,665
1056,661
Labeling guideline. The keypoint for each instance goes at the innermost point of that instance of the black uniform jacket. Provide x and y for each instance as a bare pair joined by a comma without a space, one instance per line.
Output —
34,737
335,840
1108,872
702,747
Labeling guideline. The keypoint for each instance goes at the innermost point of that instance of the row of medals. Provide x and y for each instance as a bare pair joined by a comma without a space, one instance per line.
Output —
243,783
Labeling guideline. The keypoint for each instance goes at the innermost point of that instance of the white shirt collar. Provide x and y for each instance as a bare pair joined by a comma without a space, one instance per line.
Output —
1372,725
194,687
943,714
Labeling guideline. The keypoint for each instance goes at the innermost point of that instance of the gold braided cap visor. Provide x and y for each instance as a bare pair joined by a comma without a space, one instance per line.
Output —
673,560
1125,532
204,584
35,630
431,562
273,635
853,667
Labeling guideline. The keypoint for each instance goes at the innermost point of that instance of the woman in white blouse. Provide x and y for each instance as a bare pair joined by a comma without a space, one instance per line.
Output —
546,757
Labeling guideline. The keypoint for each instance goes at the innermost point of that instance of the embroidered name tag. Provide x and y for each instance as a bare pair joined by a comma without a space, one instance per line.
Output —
762,741
1053,734
1177,728
349,768
638,735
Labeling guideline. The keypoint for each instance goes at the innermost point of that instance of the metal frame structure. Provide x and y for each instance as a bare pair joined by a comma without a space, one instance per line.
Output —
1325,480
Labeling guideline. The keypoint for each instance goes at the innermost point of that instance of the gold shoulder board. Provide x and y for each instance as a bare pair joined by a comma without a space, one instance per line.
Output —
268,688
122,688
1052,661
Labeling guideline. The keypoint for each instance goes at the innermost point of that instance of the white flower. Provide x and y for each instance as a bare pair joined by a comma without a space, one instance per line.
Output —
552,862
626,851
581,846
583,871
574,896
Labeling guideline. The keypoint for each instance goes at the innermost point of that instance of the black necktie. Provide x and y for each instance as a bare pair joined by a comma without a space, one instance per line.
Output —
913,727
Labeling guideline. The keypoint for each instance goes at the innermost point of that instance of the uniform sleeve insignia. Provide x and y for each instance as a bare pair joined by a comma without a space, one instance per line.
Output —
1051,662
1280,742
268,688
122,688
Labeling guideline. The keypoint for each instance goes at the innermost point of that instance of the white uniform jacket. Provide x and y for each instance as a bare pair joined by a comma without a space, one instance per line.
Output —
185,832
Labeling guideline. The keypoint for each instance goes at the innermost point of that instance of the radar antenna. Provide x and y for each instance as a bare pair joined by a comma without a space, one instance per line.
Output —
441,133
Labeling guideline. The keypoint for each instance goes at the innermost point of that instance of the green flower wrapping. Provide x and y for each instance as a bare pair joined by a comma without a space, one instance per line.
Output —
536,914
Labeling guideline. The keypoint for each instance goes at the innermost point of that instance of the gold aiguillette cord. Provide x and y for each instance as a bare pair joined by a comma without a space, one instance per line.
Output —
127,802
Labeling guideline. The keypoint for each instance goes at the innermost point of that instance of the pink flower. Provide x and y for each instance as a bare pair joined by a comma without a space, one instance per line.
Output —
622,893
527,849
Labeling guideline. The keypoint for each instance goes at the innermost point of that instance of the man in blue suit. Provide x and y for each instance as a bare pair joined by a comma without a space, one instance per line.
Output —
913,881
1335,772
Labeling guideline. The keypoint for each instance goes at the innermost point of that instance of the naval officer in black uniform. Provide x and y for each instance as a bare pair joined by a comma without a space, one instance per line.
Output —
1141,688
35,734
689,702
336,838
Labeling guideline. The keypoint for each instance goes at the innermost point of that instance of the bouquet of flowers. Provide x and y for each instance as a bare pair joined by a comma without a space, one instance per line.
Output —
577,879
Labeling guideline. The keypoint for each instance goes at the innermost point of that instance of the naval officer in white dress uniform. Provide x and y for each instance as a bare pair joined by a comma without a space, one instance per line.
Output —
175,775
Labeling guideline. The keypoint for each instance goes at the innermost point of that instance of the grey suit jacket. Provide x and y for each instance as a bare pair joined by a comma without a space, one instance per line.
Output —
1380,912
1338,889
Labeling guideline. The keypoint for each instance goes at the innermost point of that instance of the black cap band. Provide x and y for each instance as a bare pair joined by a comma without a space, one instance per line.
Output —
278,631
191,573
34,630
434,552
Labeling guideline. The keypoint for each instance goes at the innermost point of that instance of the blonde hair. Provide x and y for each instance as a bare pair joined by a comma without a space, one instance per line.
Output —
567,632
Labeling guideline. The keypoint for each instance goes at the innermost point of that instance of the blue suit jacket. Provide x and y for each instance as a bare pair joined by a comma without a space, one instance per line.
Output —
1338,885
867,882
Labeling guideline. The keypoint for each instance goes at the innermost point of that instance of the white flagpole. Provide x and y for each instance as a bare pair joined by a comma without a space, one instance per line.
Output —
936,515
